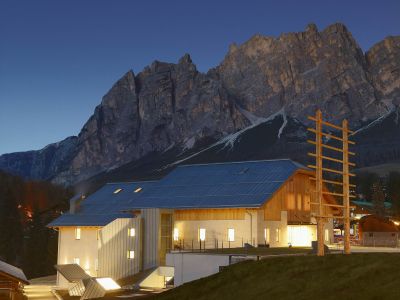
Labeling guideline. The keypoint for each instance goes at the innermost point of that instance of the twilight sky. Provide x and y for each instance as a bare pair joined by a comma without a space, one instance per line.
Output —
58,58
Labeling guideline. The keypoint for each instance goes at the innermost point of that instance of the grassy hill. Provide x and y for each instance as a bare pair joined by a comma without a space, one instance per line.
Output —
357,276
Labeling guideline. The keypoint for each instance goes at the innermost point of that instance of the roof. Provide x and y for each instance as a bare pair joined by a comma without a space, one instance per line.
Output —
104,206
370,205
12,271
72,272
218,185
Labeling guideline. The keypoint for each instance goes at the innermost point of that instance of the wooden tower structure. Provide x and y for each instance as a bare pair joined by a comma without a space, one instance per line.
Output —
321,172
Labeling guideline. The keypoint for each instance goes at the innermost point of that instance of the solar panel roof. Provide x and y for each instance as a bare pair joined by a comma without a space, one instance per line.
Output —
218,185
105,205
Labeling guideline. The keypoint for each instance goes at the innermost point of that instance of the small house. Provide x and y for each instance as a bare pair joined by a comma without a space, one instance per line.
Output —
12,281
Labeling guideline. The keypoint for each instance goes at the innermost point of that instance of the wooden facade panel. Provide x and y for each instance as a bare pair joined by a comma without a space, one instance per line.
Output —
295,196
210,214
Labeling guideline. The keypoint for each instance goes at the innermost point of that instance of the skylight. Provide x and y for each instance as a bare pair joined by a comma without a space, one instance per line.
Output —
139,189
117,191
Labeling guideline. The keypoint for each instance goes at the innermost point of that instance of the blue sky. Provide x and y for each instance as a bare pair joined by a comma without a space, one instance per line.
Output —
58,58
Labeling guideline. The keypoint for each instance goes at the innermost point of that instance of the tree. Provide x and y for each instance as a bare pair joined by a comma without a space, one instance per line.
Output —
378,199
393,191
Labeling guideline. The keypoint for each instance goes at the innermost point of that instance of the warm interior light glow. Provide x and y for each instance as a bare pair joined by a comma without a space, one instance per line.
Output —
202,234
131,254
76,260
396,223
299,236
231,235
117,191
108,283
176,234
326,235
131,232
139,189
266,235
77,233
277,235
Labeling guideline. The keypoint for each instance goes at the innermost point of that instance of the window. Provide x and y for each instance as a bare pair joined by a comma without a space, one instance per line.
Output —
131,254
326,235
131,232
98,234
266,235
117,191
202,234
277,234
76,260
231,235
176,234
96,264
77,233
138,190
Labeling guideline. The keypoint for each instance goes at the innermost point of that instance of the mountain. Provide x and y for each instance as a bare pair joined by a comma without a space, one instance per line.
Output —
262,90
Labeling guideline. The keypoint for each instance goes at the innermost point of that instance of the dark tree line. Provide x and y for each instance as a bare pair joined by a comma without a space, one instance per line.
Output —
25,209
377,190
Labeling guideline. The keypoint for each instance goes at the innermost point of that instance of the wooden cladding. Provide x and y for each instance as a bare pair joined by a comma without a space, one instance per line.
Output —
295,197
210,214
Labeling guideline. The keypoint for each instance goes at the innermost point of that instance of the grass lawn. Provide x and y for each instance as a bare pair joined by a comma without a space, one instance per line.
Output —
356,276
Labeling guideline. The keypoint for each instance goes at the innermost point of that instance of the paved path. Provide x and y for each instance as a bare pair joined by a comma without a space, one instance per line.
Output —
39,292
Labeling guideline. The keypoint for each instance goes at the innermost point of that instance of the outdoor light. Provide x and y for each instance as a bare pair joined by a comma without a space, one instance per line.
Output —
139,189
108,283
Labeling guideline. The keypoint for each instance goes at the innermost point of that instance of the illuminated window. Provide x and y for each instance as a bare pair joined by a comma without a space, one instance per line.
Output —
326,235
266,235
76,260
139,189
131,254
202,234
98,234
77,233
96,264
176,234
277,234
131,232
231,235
117,191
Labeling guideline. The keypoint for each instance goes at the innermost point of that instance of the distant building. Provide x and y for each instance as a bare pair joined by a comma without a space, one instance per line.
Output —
124,228
12,281
378,231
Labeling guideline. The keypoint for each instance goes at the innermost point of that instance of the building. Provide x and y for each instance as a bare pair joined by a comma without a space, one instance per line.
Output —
98,234
127,227
378,231
12,281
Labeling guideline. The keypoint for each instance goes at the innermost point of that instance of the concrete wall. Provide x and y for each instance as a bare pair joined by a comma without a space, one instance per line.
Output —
191,266
245,231
85,249
114,243
272,226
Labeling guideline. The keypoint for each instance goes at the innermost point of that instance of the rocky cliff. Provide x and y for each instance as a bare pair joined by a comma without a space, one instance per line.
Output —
172,108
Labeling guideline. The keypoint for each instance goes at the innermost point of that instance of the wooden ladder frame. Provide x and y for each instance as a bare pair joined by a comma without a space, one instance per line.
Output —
319,177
